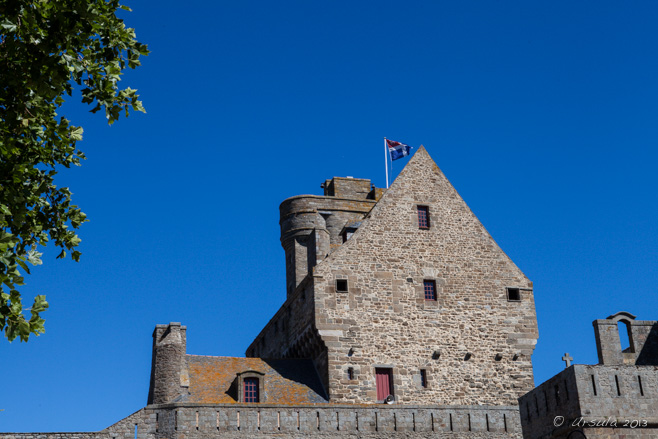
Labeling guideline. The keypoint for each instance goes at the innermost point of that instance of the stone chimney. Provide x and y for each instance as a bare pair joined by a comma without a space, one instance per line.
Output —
169,377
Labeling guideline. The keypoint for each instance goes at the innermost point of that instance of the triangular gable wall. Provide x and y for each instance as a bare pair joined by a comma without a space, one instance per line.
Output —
472,339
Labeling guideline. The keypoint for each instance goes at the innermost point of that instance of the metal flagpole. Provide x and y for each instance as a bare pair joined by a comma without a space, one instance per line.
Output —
386,160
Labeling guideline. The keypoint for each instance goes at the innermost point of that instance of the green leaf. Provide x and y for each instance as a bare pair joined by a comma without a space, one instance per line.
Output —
48,49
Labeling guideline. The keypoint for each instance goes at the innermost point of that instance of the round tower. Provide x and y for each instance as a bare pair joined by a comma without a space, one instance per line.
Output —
168,368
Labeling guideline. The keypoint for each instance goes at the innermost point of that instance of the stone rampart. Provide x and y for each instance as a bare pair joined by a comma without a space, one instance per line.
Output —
590,398
198,421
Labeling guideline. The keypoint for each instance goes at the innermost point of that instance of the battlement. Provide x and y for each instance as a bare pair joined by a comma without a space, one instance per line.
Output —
350,187
591,393
613,399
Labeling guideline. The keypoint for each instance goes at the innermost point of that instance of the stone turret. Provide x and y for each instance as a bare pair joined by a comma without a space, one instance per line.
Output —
169,377
312,226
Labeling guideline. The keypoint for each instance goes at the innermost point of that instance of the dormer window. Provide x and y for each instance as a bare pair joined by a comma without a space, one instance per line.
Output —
250,390
423,217
250,386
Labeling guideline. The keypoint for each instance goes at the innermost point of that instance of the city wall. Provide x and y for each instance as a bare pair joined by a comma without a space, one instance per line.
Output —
196,421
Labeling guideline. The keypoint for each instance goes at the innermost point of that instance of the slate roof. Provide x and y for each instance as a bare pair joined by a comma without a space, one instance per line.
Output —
213,380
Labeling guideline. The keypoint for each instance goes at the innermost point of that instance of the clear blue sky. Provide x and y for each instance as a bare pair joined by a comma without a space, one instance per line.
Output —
543,115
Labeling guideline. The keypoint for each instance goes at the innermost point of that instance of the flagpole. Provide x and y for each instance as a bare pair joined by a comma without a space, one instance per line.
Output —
386,160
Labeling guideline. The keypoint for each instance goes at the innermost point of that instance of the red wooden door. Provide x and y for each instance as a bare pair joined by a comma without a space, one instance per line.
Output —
383,380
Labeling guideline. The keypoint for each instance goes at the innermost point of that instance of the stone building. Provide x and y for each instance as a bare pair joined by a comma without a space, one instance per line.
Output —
617,398
402,318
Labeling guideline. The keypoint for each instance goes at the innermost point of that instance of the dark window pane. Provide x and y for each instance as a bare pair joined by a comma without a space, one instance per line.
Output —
430,289
251,390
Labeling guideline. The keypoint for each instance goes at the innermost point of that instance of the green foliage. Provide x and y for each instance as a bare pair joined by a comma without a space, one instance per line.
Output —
48,50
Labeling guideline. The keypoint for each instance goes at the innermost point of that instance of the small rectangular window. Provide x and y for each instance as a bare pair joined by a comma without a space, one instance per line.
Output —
350,373
513,294
341,285
384,382
430,289
423,378
423,217
251,390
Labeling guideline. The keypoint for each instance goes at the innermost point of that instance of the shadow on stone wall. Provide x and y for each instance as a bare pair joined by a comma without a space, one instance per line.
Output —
649,354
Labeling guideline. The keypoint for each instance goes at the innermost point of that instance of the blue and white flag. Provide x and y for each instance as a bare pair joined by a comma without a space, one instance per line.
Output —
397,149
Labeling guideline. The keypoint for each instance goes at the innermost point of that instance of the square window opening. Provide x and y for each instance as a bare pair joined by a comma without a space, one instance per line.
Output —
341,285
514,294
430,289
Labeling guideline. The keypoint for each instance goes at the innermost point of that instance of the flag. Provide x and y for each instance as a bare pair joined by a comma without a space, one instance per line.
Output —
397,149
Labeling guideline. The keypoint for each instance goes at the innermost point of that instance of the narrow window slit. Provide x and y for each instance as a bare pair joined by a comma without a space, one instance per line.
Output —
258,419
639,381
566,390
238,419
536,405
486,416
505,422
197,420
337,422
450,421
557,395
469,422
317,420
278,420
617,384
593,385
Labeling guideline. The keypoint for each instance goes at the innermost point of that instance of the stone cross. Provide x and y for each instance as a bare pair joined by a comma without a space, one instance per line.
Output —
567,359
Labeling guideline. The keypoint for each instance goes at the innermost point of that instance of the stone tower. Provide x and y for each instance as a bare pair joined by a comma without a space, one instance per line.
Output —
168,365
416,297
313,226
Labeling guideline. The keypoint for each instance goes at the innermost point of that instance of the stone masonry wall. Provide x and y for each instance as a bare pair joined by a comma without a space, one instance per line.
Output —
199,422
139,425
310,229
583,395
474,345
